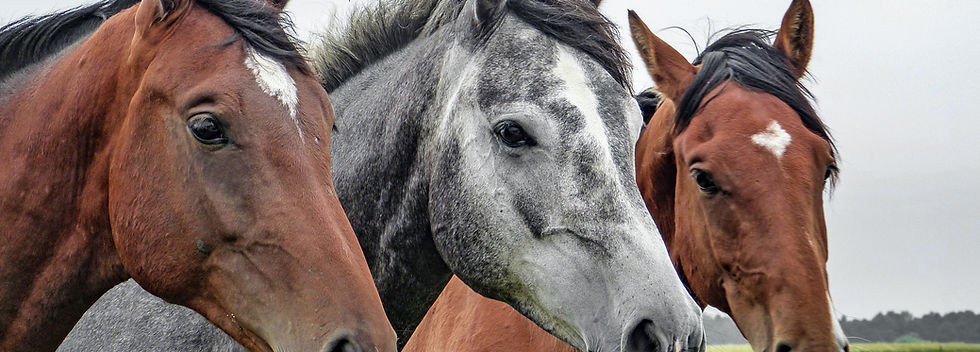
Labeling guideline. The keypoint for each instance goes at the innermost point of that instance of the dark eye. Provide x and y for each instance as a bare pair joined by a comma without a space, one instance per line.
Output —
206,129
512,134
704,181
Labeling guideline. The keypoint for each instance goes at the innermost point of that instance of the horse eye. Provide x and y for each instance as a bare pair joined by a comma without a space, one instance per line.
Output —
704,181
511,133
207,129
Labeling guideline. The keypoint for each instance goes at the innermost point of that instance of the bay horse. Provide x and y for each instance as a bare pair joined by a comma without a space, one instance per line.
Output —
184,144
734,179
493,139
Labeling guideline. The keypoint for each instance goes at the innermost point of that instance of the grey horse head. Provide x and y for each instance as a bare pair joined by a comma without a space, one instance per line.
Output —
495,142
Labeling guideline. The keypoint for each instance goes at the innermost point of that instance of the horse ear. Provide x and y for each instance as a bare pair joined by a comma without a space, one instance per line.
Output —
596,2
795,37
668,68
150,12
487,12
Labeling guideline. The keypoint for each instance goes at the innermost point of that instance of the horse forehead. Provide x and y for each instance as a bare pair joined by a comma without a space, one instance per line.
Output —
274,79
527,66
741,116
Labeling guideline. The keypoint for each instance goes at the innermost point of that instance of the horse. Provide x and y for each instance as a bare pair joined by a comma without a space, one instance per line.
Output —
732,166
493,139
183,144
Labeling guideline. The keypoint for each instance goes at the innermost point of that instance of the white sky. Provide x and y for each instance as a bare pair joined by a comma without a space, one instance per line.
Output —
897,83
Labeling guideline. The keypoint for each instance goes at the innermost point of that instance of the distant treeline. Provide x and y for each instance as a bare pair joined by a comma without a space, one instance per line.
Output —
888,327
883,327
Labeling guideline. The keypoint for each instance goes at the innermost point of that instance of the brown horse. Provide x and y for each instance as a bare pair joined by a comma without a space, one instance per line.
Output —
732,166
184,144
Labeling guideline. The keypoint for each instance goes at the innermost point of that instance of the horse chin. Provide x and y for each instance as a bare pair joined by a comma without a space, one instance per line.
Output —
583,308
773,324
230,324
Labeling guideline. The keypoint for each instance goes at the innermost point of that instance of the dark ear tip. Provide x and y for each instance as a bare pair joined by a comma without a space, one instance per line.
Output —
635,22
649,101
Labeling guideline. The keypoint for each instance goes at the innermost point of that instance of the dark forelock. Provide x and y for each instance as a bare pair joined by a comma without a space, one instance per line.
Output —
33,39
746,57
373,33
264,28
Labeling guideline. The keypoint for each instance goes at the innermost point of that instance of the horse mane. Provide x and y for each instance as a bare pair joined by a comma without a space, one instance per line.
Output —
265,28
35,38
375,32
746,57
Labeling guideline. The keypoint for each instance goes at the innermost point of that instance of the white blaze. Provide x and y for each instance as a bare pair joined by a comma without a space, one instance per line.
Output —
838,332
274,80
773,138
578,94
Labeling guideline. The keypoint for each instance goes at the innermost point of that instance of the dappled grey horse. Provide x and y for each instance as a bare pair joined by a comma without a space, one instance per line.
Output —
493,140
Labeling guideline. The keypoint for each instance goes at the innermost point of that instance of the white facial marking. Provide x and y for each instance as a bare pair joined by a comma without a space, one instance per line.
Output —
773,138
838,332
275,81
578,93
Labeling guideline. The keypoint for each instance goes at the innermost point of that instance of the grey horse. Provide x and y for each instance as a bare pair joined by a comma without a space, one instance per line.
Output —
493,139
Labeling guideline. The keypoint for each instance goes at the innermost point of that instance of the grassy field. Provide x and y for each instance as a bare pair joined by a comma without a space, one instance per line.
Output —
875,347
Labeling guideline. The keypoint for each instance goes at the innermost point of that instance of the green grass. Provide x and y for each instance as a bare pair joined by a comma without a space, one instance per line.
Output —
875,347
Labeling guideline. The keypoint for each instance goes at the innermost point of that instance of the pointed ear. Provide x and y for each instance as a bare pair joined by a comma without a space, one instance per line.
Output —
795,37
151,12
649,101
668,68
487,12
596,2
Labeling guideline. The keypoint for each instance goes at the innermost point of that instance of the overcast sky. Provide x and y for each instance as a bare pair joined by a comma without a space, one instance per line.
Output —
898,84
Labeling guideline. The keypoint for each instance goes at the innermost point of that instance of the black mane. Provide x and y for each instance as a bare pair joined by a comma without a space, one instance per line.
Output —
33,39
746,57
264,28
373,33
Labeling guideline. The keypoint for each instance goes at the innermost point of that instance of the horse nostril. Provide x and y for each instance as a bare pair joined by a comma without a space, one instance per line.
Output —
696,342
847,347
782,347
644,338
342,344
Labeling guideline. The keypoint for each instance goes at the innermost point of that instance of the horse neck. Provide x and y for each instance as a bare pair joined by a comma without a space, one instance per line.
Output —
58,257
656,173
388,121
657,176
